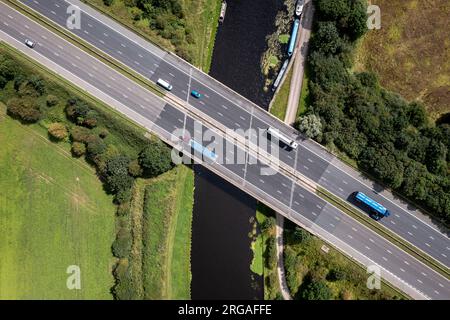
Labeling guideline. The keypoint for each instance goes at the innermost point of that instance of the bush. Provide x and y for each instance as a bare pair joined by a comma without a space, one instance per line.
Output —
316,290
57,131
121,247
134,169
78,149
23,110
52,100
336,274
155,159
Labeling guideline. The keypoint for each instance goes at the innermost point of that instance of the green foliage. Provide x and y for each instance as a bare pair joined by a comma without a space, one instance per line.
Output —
310,125
155,159
316,290
57,131
78,149
385,135
24,110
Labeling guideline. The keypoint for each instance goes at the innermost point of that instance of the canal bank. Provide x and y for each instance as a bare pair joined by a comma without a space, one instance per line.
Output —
223,214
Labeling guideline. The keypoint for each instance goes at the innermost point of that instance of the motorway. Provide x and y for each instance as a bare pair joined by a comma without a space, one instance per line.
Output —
235,112
278,191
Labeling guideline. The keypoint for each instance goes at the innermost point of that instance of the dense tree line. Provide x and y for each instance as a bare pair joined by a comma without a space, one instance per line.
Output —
390,138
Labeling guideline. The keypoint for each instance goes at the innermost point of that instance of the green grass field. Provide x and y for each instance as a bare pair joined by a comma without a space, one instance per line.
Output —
166,235
53,214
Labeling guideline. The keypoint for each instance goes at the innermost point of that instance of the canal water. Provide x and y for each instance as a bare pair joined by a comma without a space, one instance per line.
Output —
221,253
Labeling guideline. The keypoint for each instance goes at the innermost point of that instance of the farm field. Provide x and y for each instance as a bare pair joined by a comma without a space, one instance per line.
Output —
54,213
411,51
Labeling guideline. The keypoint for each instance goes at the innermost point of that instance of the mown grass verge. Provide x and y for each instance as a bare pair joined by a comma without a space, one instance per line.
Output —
166,235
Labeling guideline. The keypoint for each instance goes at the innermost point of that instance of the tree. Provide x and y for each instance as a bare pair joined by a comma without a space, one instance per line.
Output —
417,114
310,125
57,131
52,100
96,146
336,274
78,149
23,110
155,159
299,235
316,290
327,39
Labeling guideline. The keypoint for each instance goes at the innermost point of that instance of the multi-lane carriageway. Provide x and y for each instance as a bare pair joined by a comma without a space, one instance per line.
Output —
233,111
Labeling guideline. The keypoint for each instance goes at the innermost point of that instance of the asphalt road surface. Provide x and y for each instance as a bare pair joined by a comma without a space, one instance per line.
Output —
278,190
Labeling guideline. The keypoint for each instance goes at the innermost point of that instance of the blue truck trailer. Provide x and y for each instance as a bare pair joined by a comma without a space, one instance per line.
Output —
377,211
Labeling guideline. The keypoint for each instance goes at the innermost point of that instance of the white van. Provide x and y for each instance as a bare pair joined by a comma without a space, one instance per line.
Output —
164,84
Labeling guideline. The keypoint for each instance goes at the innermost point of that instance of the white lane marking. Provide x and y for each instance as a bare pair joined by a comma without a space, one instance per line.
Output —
406,262
345,182
392,221
354,229
424,274
102,42
220,114
105,34
431,237
441,285
371,240
340,189
123,45
419,281
310,160
435,291
427,244
410,233
318,207
389,251
397,215
242,118
10,17
384,258
171,74
301,196
225,107
368,248
202,103
414,226
296,203
314,214
261,180
444,255
332,225
44,37
306,167
279,192
85,31
350,236
402,270
337,218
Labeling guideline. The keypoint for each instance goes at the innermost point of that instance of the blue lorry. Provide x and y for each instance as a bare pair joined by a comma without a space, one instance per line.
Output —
377,211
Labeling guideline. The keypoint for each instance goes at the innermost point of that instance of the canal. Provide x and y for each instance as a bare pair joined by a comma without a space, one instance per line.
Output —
221,246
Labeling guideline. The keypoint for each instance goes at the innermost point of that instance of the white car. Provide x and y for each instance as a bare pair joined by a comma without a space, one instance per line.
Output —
164,84
30,43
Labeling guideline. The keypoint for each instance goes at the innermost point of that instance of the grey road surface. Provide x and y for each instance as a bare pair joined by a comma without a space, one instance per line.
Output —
277,191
